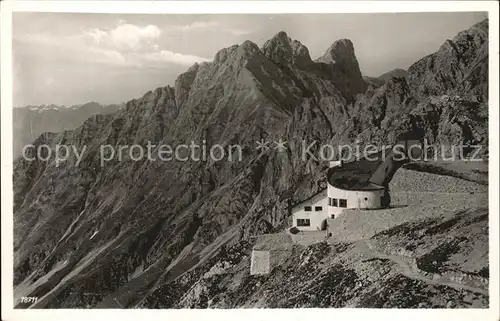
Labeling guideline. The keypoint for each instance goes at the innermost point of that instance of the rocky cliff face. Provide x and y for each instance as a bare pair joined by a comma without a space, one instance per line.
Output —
126,232
460,66
382,79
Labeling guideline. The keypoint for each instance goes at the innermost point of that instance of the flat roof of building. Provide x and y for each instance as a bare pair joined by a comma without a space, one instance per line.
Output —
356,175
309,198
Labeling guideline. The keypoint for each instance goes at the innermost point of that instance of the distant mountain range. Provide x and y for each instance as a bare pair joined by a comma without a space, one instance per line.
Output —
165,234
30,122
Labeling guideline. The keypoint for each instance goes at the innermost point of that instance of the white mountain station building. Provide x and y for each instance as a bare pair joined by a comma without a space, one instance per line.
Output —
362,184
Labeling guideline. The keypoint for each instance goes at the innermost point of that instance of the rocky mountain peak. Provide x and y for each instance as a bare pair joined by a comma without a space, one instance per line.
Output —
344,65
341,51
459,64
282,50
282,35
248,48
222,54
245,49
478,33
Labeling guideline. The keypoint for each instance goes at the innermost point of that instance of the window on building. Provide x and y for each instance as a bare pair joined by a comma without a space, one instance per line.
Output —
303,222
334,202
318,208
342,203
332,216
307,208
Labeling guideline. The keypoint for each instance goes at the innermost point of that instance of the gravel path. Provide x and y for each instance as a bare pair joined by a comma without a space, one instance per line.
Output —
409,269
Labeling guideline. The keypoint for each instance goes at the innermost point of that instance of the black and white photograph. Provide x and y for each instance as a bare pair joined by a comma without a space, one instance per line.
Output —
261,160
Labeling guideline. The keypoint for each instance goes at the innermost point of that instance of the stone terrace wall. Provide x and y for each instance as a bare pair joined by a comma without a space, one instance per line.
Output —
359,224
412,181
260,262
269,251
309,238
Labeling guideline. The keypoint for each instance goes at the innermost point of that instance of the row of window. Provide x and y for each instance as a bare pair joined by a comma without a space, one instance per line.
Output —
303,222
316,208
337,202
307,222
340,202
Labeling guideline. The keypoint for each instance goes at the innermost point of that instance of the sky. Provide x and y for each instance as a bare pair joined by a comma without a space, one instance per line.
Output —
68,58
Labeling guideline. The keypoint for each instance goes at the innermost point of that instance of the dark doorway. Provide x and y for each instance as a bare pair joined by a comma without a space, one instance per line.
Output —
385,200
324,225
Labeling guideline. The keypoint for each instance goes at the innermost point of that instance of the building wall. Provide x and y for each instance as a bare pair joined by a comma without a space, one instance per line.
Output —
316,218
309,238
355,199
260,262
